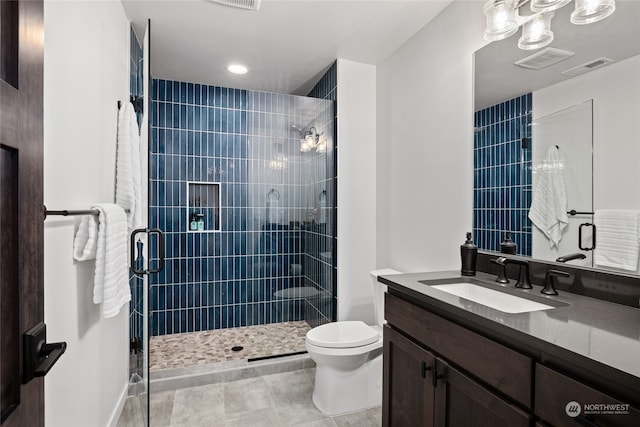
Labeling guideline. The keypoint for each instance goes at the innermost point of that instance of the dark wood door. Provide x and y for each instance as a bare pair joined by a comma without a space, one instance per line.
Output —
462,402
408,392
21,204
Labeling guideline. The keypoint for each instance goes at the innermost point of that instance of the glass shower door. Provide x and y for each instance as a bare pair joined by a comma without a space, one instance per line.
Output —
141,240
571,130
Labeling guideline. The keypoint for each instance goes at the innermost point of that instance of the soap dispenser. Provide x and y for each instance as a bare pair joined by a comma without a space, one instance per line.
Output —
508,246
193,225
468,254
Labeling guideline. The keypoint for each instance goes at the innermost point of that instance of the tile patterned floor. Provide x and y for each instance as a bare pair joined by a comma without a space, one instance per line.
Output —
201,348
271,400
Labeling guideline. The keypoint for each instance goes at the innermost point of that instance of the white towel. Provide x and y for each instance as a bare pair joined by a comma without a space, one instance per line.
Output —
322,212
128,174
144,170
617,238
548,209
273,214
108,245
86,239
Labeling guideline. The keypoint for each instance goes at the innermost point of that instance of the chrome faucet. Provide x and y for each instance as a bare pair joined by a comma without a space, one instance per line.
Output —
549,288
524,282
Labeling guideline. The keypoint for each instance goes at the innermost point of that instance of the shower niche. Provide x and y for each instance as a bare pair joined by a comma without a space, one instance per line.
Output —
203,207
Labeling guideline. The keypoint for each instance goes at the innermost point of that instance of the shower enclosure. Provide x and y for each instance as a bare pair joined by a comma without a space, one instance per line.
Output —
248,214
242,185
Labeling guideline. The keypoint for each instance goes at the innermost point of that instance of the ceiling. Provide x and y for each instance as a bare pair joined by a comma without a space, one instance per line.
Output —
498,79
287,45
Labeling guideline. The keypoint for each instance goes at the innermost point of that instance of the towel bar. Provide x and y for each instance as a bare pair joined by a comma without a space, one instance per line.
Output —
67,212
573,212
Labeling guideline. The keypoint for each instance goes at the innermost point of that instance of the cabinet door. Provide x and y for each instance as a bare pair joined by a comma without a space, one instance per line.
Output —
408,394
460,401
563,401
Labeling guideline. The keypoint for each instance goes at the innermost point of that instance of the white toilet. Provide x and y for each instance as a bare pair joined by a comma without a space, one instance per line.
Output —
348,358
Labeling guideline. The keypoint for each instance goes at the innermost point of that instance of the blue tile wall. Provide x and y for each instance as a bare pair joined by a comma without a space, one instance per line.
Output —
327,86
321,243
246,273
502,174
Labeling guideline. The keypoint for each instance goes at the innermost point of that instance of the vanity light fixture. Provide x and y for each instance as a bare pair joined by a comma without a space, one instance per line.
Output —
504,18
590,11
547,5
237,69
501,19
314,140
536,33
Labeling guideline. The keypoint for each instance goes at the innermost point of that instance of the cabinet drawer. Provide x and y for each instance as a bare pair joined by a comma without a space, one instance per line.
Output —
497,365
555,393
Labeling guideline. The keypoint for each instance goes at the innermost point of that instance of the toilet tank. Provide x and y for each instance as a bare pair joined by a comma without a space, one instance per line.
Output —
378,293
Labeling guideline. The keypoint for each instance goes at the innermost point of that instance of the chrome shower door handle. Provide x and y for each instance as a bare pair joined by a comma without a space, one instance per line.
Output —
147,231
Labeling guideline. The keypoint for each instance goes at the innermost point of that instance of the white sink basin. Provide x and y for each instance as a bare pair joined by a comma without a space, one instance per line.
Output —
497,300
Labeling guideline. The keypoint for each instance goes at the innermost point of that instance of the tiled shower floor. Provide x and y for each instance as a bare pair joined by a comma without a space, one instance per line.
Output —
202,348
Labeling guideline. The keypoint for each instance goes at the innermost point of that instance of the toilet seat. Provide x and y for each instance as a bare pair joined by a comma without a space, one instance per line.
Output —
345,334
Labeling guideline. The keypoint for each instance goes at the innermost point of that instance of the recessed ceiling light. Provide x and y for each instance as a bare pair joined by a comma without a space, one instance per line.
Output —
237,69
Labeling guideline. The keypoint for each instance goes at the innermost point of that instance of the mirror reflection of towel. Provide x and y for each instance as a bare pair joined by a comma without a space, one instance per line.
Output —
618,235
548,209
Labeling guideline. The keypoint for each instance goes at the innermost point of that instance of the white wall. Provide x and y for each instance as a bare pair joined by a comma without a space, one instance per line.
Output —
86,72
615,90
356,189
425,143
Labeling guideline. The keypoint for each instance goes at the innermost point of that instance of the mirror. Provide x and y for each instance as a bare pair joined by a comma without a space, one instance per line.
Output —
586,103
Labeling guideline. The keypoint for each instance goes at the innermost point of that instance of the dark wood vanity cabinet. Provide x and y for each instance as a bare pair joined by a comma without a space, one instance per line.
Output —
439,373
422,389
408,396
555,396
461,401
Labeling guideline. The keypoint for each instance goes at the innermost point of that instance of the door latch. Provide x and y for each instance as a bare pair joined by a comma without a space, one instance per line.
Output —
39,357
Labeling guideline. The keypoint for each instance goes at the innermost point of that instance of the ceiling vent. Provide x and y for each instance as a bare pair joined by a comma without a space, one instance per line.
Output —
545,58
240,4
589,66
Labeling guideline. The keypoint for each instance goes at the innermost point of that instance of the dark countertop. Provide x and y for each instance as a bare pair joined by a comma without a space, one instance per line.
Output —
598,337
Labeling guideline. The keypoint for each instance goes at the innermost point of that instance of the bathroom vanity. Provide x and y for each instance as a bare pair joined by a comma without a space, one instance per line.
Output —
451,361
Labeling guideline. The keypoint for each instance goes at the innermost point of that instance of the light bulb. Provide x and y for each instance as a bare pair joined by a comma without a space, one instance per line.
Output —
590,11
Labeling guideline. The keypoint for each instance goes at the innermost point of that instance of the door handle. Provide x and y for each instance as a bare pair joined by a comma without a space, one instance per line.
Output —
132,242
39,356
593,234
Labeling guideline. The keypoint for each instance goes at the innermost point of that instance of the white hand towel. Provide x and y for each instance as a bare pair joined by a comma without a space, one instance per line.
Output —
273,208
617,238
322,212
128,167
111,281
144,170
86,239
548,209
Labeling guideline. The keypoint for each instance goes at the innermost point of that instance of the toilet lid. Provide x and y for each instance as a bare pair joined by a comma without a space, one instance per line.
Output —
342,334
